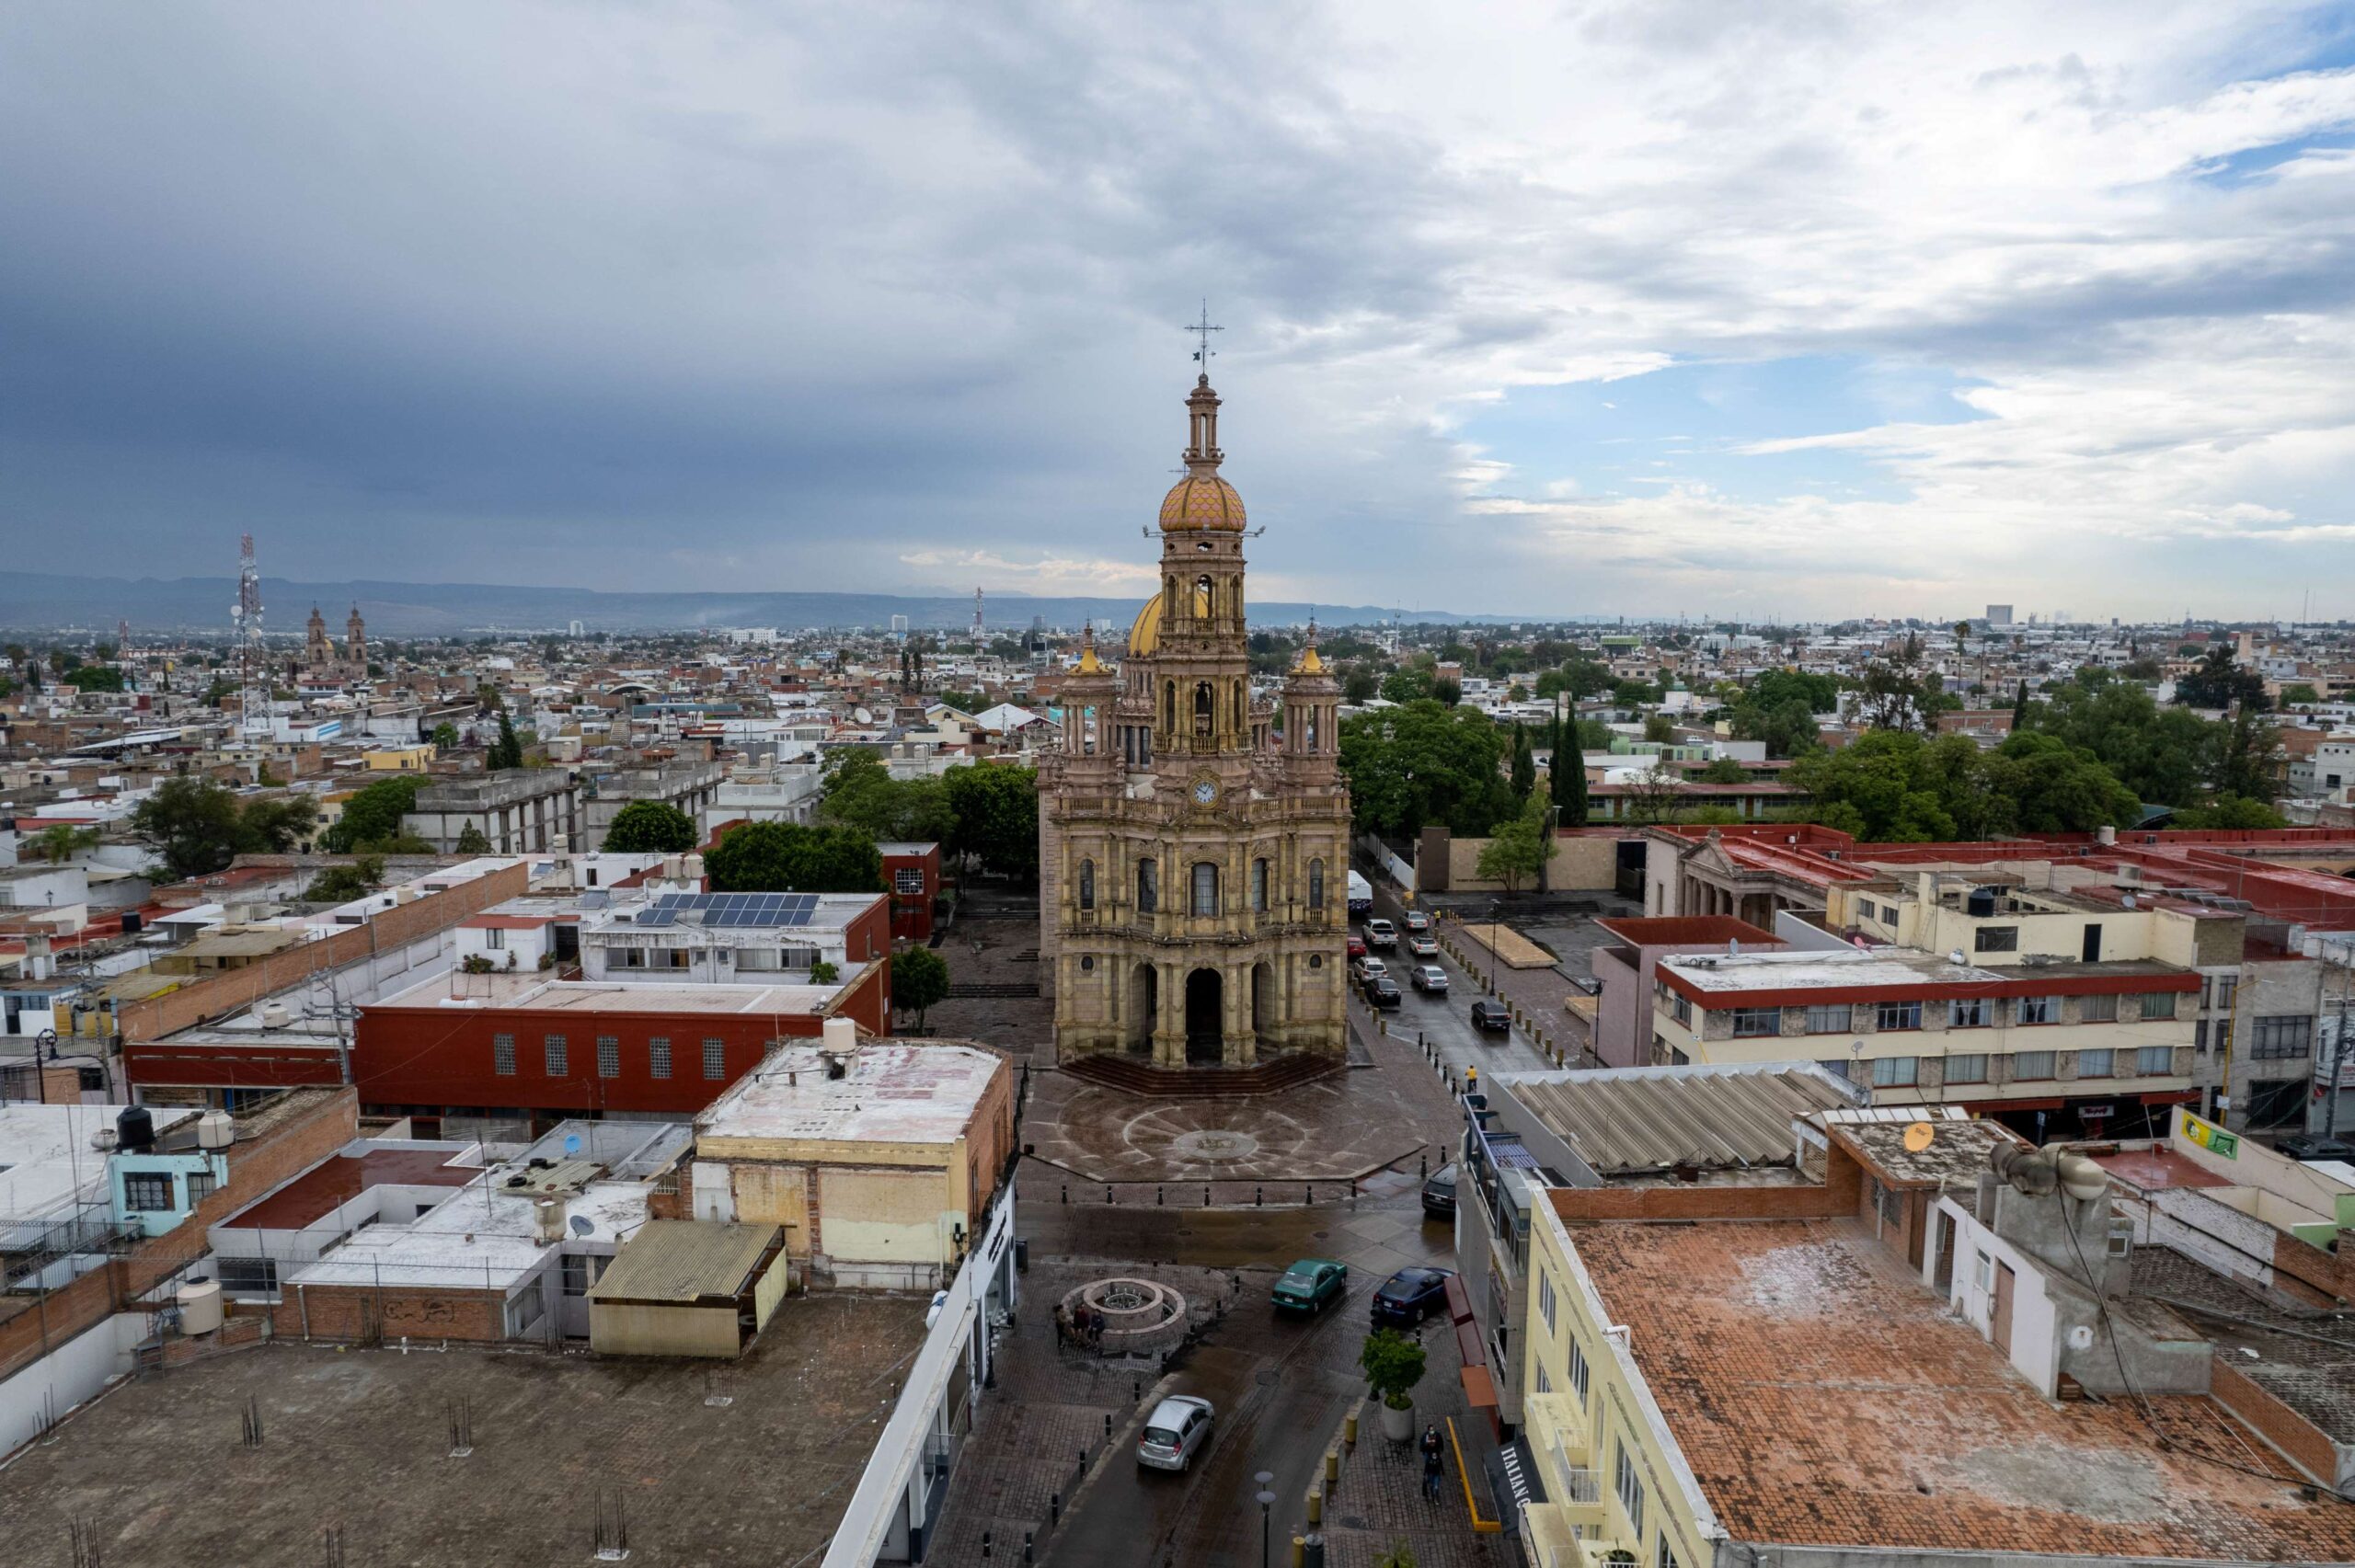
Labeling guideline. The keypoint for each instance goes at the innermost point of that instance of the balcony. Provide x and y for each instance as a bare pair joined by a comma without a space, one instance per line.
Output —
1551,1533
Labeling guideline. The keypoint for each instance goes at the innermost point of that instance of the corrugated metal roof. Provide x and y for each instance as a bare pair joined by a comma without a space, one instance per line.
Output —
683,1260
1648,1118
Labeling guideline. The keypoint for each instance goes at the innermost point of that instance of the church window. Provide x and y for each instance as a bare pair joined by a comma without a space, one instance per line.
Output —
1202,707
1086,884
1315,883
1312,729
1259,887
1205,888
1148,887
1170,704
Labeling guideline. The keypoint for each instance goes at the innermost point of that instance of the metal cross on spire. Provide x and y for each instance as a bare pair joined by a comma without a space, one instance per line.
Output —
1203,329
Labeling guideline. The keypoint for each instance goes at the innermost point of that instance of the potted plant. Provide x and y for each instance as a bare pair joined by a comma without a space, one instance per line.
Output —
1394,1365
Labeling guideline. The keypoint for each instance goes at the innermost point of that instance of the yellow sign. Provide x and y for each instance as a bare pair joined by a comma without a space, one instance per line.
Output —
2211,1137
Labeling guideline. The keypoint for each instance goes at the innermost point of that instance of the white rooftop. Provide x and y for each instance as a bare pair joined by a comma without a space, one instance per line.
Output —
890,1092
48,1161
1803,969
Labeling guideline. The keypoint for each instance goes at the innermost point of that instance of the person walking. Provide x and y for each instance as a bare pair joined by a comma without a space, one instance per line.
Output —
1434,1450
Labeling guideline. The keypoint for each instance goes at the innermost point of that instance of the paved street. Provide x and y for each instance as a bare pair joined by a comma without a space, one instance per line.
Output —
1445,1022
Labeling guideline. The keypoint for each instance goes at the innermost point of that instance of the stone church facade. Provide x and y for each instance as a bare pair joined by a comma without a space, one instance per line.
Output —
1193,837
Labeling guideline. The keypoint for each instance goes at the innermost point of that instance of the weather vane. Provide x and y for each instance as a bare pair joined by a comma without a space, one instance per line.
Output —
1203,329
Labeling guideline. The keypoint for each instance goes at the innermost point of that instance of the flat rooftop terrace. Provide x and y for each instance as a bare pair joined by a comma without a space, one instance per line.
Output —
1823,1399
453,989
361,1440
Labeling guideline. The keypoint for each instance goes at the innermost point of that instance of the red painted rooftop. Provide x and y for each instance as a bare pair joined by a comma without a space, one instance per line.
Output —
317,1191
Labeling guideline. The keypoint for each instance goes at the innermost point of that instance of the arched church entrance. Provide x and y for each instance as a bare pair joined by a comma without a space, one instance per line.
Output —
1205,1026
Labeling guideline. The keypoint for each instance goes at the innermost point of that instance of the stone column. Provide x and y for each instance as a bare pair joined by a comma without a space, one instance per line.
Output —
1169,1038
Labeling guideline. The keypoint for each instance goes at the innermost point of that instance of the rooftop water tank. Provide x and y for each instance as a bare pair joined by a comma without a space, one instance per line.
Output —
1983,902
135,1129
199,1305
216,1130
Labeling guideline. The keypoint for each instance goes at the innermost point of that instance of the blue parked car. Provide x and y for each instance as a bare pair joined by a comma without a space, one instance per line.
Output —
1410,1295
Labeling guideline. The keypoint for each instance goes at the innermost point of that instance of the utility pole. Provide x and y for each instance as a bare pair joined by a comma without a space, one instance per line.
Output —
2338,1046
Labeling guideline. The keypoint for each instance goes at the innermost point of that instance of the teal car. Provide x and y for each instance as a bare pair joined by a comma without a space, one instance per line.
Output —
1310,1284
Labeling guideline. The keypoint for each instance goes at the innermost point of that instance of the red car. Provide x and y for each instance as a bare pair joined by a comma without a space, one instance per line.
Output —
1357,947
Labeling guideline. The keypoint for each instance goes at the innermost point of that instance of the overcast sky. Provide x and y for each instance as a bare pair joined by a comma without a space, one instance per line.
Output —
1739,309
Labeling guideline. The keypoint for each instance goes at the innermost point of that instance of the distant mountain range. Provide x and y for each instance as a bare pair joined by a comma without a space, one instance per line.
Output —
44,602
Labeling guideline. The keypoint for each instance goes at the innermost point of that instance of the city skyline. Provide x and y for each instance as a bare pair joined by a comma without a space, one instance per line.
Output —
1790,316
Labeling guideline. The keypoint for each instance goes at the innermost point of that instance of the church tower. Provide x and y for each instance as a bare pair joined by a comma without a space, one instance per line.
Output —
1194,835
318,652
355,642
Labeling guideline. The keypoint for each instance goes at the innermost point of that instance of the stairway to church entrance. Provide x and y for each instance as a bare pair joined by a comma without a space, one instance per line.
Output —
1205,1029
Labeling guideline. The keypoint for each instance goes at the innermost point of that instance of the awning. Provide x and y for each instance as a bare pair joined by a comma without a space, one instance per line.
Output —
1481,1389
1514,1478
1993,1107
1459,1304
1467,1342
2172,1097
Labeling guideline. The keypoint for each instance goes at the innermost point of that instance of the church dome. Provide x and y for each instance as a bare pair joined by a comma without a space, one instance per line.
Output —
1203,502
1144,634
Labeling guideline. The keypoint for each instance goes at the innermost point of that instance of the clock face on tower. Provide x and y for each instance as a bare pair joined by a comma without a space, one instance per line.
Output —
1205,790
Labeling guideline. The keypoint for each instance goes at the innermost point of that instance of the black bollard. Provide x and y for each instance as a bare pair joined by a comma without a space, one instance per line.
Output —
1054,1509
1107,1192
1206,1194
1026,1557
1108,1423
1067,1192
1156,1197
1423,1165
1308,1195
1258,1197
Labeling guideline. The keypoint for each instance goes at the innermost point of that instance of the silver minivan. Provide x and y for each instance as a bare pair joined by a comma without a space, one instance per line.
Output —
1178,1429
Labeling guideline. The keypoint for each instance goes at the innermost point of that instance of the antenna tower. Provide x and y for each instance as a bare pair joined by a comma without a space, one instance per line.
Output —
977,620
253,656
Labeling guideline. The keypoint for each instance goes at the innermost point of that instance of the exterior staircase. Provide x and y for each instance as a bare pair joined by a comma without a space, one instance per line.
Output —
1129,1075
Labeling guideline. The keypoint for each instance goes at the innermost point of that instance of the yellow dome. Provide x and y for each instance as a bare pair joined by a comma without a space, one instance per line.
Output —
1203,502
1144,635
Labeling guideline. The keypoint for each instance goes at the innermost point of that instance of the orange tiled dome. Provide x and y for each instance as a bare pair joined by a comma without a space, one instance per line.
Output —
1203,502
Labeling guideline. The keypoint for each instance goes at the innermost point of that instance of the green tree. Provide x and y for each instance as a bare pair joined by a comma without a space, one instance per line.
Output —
1897,786
507,751
62,842
472,840
1359,686
1515,850
2165,755
859,792
2231,812
1566,782
919,979
786,857
1447,691
1425,763
1524,765
2019,706
95,678
342,884
994,818
2300,695
197,826
2245,763
650,826
2219,682
1725,770
373,818
445,737
1392,1363
1406,685
1659,729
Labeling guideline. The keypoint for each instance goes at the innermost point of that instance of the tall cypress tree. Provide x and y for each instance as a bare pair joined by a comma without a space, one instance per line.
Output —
2019,709
1524,765
1568,783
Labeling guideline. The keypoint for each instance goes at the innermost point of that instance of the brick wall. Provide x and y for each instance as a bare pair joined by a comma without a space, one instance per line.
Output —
356,1313
301,1133
241,988
2306,1445
1839,1193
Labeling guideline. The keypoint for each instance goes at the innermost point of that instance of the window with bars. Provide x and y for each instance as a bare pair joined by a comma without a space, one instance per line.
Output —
201,1185
2096,1064
1664,1555
1996,939
1898,1016
1750,1022
2287,1034
247,1275
1315,883
658,1057
1086,884
908,882
1681,1009
608,1057
2154,1061
1831,1018
1895,1072
1148,886
1969,1068
554,1061
147,1192
715,1059
502,1055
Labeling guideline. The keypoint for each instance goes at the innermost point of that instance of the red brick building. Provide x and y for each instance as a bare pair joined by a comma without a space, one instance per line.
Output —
913,873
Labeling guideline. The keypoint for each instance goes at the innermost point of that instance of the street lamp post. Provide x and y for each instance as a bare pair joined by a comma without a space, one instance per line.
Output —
1265,1500
1495,916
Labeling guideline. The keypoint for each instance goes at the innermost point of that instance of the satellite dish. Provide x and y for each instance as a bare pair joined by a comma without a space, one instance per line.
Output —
862,715
572,1144
1920,1136
581,1224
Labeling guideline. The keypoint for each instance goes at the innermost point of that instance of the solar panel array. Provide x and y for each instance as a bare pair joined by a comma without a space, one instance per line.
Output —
757,911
